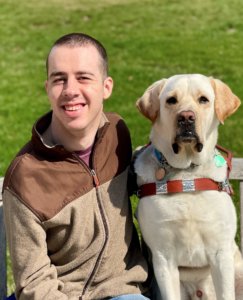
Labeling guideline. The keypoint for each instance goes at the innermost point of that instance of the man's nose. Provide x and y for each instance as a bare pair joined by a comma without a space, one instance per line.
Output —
71,88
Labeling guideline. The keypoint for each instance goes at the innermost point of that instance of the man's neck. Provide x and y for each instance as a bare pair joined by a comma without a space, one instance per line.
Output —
71,141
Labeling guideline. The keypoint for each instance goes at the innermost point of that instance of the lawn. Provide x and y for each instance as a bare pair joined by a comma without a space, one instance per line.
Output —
146,40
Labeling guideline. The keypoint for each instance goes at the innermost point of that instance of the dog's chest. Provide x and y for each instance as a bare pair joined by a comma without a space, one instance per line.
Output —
189,223
186,212
184,225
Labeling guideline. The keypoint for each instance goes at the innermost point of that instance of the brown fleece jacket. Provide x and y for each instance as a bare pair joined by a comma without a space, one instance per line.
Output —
69,227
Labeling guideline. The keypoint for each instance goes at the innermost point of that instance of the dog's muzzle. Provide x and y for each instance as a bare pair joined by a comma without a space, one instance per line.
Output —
186,132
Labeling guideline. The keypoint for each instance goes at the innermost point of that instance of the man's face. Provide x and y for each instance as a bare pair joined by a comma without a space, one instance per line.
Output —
76,88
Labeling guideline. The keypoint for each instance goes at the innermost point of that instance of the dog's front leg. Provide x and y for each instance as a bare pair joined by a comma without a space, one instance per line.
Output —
222,268
167,276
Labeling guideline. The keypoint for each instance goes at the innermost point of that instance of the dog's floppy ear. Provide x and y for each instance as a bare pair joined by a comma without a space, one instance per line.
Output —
148,104
226,103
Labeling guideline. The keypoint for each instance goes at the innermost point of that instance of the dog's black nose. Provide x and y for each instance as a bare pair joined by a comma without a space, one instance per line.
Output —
186,117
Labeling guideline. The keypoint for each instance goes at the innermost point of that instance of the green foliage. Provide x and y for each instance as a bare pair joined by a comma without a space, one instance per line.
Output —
146,40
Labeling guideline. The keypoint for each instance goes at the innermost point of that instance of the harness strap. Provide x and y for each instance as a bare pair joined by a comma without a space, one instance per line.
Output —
180,186
228,158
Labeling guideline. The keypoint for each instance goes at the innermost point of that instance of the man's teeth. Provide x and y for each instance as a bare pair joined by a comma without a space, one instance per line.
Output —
72,107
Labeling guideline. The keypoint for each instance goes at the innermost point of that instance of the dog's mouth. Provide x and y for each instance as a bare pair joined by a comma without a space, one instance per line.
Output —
186,139
186,133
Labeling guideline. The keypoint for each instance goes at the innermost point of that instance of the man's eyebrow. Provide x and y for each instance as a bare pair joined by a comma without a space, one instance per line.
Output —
56,74
60,73
84,73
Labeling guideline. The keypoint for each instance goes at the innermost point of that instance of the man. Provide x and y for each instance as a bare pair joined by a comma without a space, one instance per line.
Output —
66,206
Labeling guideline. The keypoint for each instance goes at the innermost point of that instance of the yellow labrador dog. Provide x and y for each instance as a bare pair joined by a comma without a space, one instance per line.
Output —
185,213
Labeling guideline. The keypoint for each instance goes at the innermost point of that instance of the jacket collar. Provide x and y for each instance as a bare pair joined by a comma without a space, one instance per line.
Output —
43,144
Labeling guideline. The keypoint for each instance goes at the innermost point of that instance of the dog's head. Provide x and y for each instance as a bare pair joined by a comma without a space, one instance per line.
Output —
185,111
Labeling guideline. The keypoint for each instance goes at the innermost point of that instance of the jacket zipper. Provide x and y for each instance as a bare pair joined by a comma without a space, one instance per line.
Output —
96,184
95,178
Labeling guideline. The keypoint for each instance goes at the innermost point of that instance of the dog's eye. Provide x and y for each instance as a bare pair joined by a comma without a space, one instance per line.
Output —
203,100
171,101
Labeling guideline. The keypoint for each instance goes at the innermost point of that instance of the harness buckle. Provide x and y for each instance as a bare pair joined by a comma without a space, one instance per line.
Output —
161,188
188,186
225,186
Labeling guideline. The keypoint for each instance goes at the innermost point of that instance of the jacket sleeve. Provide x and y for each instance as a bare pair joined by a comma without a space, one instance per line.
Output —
34,275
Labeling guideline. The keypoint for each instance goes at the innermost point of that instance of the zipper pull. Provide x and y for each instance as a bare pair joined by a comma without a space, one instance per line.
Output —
95,178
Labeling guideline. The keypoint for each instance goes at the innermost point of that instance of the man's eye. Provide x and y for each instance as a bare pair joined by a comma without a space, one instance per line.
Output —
82,78
59,80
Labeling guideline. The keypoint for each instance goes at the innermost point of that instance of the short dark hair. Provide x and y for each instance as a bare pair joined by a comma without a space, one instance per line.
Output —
82,39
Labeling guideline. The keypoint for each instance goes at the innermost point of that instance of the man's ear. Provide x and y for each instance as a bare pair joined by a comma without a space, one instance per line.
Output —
108,87
226,103
46,85
149,103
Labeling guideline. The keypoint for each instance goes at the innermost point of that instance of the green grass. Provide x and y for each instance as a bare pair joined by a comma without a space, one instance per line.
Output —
146,40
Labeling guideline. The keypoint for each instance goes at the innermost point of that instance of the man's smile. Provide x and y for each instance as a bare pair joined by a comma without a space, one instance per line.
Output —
73,107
